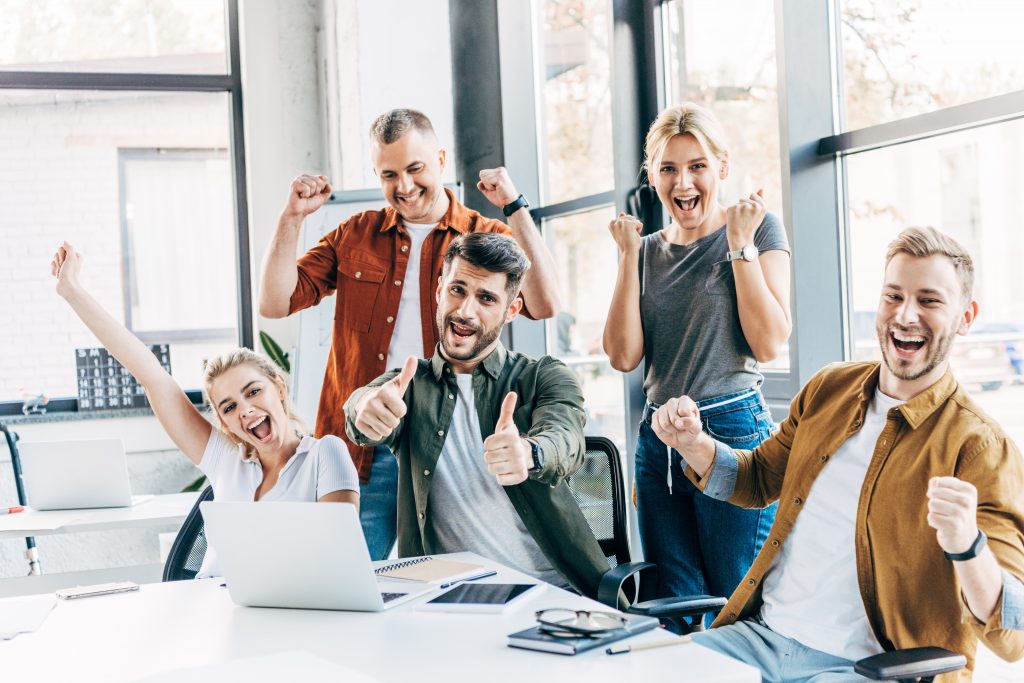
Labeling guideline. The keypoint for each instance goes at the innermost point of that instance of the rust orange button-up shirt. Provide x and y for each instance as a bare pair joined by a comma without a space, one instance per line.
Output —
910,590
364,261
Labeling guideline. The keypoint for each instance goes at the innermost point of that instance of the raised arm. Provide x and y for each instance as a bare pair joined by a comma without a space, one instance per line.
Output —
762,285
280,273
623,338
179,418
540,287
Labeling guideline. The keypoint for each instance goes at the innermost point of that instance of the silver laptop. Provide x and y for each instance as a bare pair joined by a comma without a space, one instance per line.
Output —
300,555
68,475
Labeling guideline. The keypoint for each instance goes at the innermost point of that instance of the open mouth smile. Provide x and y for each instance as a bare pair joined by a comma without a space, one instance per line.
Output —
686,203
907,344
261,429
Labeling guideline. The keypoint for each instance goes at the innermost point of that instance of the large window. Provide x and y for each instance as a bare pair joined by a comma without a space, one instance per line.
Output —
138,169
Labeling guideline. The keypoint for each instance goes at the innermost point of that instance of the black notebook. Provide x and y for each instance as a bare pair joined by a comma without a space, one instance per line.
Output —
536,639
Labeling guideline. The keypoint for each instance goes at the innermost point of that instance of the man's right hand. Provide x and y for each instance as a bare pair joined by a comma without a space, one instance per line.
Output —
677,424
381,410
307,194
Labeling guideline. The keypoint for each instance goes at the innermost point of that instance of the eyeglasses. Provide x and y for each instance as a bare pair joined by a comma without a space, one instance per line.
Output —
573,623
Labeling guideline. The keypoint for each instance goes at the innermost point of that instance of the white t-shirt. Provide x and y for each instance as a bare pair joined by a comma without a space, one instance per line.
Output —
811,592
319,467
407,339
469,509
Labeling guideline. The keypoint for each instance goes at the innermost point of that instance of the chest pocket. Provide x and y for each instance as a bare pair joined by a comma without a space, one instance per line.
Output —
721,281
360,288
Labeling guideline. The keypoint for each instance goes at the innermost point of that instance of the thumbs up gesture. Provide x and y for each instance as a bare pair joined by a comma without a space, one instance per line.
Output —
381,410
507,454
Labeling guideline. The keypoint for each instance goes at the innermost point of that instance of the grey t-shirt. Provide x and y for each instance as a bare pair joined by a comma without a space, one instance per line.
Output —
693,343
469,509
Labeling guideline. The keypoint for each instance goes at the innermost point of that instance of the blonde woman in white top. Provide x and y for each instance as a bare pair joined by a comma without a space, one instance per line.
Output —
258,450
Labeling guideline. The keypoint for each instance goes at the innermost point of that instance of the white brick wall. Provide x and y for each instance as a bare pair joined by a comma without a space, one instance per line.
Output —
59,180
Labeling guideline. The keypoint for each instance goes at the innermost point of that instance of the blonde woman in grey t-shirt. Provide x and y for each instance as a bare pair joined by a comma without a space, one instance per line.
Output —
702,301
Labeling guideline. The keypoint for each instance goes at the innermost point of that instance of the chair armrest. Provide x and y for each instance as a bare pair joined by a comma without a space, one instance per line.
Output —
610,588
910,663
674,608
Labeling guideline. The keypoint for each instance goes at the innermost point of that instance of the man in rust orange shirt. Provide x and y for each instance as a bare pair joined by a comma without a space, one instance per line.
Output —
384,267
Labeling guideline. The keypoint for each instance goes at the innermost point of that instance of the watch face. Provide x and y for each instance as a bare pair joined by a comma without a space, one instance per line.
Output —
749,252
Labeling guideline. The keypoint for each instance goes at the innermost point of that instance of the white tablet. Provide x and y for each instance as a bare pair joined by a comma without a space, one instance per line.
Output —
479,597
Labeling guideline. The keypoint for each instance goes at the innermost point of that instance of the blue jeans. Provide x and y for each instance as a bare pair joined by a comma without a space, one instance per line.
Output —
780,659
378,504
701,545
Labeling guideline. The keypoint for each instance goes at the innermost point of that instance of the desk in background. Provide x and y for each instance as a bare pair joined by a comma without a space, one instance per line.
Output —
187,624
156,511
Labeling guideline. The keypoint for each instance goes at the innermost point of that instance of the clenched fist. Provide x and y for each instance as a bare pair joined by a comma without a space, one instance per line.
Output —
381,410
953,513
625,231
306,194
497,186
743,218
507,454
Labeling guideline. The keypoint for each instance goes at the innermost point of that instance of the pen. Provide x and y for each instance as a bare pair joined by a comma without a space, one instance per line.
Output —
469,578
623,649
9,511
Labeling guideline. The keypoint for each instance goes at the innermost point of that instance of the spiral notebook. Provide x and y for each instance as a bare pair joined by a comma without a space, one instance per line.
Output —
427,569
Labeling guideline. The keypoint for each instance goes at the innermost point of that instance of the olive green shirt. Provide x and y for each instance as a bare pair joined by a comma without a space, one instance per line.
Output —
911,592
549,410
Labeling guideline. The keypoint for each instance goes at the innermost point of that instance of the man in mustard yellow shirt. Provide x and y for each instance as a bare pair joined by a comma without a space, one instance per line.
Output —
901,511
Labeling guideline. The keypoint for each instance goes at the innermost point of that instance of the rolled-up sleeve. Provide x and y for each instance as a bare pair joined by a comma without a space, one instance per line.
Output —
1013,602
720,482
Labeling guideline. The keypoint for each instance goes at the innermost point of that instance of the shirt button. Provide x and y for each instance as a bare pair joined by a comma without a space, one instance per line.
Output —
405,247
398,283
751,581
426,473
451,395
359,274
422,516
380,356
391,319
797,501
824,458
775,543
856,423
440,432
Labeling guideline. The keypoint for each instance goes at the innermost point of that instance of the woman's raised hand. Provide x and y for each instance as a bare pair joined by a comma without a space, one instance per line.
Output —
65,266
626,231
743,218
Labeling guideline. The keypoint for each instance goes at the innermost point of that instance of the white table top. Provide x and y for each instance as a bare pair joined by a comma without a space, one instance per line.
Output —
157,510
187,624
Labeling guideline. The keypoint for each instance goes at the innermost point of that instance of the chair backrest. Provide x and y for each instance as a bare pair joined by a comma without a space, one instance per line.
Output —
600,491
186,556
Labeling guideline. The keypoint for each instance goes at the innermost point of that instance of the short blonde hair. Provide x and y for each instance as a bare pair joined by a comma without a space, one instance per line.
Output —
218,365
927,241
685,118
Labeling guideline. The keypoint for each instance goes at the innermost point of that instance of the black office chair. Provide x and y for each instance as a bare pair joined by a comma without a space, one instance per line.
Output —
186,556
600,491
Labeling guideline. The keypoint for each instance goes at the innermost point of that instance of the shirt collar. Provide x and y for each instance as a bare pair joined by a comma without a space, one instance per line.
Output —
492,364
457,217
918,408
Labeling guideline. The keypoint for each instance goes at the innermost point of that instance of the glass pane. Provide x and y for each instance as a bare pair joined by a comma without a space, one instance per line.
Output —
77,164
739,86
586,260
575,93
117,36
907,57
968,185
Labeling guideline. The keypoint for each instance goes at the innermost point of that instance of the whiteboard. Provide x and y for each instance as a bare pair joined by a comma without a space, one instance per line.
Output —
316,324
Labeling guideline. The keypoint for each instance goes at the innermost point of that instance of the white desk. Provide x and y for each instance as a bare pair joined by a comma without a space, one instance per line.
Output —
158,510
194,623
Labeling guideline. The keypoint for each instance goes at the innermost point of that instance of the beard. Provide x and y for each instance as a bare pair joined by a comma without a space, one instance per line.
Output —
938,351
484,337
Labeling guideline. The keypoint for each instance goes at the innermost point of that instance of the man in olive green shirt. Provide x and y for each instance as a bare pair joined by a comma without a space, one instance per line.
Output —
485,437
890,479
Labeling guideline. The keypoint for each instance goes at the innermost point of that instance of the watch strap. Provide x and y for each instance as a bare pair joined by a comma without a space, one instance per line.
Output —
970,553
538,458
513,206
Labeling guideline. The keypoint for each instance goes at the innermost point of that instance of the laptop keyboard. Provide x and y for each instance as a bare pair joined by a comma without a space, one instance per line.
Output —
388,597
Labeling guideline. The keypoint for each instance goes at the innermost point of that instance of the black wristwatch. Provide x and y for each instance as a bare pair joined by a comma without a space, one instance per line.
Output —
970,553
514,205
538,457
